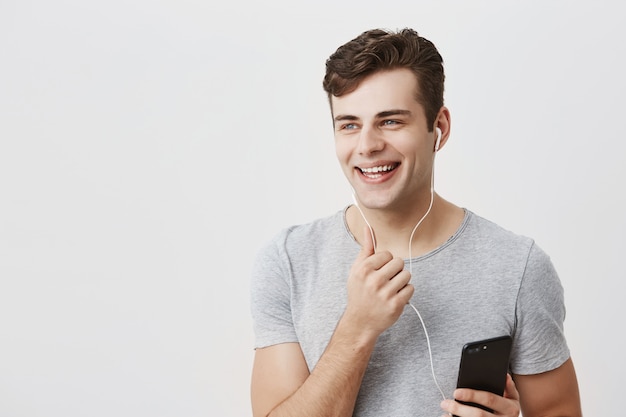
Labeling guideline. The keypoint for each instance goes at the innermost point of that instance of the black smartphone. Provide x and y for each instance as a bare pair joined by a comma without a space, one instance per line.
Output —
484,365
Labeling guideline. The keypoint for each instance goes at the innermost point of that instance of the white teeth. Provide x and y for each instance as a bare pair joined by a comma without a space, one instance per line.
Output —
375,170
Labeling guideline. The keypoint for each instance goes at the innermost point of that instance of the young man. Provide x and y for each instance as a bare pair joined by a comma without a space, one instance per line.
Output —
365,312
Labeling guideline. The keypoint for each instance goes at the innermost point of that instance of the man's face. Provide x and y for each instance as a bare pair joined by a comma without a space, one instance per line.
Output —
382,141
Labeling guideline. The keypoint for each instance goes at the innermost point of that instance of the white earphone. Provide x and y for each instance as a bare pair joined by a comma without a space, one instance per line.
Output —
438,139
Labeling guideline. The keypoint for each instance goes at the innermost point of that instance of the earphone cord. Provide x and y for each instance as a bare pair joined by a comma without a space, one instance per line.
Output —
430,351
432,197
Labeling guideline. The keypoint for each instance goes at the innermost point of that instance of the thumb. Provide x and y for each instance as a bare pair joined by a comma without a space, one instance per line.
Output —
511,390
367,247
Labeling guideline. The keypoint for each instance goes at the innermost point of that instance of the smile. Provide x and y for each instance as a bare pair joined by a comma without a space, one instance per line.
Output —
377,172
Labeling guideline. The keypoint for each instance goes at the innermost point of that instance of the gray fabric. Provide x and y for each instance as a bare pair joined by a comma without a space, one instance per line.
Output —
483,282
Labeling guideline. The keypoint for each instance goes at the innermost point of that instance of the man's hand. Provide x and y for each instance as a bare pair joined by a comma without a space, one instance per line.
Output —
378,289
507,405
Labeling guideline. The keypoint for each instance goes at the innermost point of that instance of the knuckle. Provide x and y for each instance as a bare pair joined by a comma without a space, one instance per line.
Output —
490,401
406,276
371,285
410,289
358,270
365,266
453,408
398,263
399,304
382,255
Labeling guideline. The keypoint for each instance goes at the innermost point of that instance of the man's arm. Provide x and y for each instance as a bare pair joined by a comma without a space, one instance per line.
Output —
549,394
378,291
278,371
282,385
553,393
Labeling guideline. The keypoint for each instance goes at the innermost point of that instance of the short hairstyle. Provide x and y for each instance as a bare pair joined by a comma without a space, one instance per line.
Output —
379,50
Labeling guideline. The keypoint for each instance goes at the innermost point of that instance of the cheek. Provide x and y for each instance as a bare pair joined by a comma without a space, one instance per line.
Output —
342,151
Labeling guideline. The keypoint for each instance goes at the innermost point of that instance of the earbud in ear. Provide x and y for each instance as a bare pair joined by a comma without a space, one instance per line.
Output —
438,139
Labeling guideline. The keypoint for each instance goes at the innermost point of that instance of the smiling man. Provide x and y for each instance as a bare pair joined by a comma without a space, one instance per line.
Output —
365,312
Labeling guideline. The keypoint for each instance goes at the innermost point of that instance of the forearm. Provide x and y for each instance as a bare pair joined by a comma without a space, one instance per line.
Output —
333,385
378,291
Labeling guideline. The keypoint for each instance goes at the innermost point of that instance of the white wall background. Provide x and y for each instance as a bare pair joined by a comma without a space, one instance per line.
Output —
148,148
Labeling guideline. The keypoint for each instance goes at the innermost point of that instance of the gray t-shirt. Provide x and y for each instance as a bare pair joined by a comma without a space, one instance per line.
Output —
483,282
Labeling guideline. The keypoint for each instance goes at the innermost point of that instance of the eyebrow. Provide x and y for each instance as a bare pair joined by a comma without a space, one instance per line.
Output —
394,112
380,115
341,117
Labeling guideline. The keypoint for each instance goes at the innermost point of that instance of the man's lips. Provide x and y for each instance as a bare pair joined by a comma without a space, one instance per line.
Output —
378,171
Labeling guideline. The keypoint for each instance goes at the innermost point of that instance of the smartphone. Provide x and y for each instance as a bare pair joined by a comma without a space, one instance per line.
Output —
484,365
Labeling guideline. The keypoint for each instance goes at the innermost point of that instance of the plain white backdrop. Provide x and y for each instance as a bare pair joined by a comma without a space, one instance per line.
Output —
149,148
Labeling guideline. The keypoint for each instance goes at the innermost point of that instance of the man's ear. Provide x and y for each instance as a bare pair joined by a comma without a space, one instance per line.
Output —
442,124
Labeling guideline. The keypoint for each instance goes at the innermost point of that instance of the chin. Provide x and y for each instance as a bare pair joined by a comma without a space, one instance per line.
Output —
375,203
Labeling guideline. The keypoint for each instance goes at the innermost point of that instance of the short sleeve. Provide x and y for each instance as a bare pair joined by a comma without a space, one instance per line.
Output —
539,342
270,297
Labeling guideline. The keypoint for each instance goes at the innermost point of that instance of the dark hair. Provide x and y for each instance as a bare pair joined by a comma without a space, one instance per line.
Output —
378,50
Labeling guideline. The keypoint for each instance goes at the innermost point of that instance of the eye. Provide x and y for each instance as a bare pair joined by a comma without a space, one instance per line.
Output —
348,126
390,122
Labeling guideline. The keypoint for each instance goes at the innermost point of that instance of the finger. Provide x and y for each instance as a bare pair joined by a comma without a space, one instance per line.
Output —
455,408
500,405
484,398
391,267
399,281
396,279
406,292
367,246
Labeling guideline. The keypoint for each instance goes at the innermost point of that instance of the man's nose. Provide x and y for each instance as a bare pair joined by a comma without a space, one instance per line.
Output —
370,141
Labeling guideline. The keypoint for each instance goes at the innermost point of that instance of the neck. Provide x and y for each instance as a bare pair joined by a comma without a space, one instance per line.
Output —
393,229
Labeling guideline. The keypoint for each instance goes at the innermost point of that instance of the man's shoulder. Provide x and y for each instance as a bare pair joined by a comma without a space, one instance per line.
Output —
325,238
324,224
483,229
312,232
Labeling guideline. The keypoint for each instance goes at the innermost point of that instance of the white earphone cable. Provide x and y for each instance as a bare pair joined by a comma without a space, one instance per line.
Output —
432,197
430,351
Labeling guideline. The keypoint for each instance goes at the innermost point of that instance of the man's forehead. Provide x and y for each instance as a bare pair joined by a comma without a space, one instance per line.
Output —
379,92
